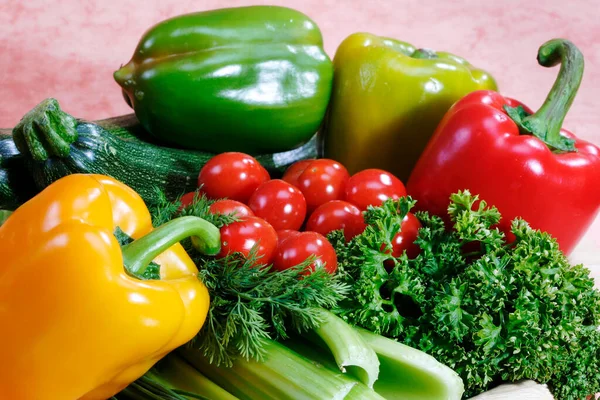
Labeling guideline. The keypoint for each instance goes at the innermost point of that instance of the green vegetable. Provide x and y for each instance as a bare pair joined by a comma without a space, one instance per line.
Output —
324,358
362,392
410,374
311,366
282,375
53,144
251,79
350,351
16,187
180,376
492,311
295,369
402,372
152,387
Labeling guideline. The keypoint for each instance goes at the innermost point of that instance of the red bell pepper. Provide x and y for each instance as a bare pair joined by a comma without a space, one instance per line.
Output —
523,163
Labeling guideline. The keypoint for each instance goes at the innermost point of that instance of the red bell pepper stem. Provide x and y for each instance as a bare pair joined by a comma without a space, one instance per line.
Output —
547,122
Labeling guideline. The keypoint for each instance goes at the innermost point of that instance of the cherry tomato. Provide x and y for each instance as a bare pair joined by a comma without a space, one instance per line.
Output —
284,235
227,206
242,235
334,215
232,175
293,172
404,240
186,200
297,248
373,187
321,181
280,204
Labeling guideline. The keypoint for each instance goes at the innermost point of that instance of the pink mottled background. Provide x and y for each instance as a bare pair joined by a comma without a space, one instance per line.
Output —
68,49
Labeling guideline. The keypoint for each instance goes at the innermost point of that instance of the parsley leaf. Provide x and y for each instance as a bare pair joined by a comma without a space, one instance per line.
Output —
152,272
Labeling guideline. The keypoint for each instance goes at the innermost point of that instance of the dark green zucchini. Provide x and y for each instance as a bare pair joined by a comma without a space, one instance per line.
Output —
16,185
53,144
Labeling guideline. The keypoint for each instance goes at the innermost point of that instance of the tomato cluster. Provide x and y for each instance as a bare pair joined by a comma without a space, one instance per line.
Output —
317,195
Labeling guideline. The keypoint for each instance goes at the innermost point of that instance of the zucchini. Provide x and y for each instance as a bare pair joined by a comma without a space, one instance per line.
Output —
16,186
52,144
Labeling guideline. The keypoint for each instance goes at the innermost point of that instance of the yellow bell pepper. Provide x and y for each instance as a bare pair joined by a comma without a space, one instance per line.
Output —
78,322
387,99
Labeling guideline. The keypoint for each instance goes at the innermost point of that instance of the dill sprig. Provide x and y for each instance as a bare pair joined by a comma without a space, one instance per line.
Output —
164,210
251,304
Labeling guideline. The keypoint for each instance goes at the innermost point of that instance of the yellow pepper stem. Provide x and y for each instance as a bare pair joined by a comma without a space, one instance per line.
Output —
205,237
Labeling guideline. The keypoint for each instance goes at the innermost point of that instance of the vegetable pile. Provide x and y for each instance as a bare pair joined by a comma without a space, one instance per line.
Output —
148,257
492,310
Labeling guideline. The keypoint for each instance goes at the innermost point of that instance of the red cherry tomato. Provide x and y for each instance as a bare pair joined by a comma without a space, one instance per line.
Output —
373,187
232,175
227,206
404,240
297,248
186,200
280,204
293,172
321,181
284,235
242,235
334,215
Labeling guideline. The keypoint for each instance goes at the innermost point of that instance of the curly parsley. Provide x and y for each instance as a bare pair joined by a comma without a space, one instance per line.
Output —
491,310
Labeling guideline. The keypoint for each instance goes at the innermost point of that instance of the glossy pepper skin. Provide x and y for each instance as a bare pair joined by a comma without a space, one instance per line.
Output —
76,324
250,79
388,97
526,165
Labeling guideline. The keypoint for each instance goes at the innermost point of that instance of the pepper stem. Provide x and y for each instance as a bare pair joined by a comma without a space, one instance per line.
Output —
547,122
425,54
206,238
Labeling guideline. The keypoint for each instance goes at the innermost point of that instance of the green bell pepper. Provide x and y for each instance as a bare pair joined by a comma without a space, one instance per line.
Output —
388,98
252,79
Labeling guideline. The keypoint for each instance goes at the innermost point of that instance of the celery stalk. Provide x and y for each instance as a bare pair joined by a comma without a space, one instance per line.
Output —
362,392
282,375
410,374
150,387
177,374
349,349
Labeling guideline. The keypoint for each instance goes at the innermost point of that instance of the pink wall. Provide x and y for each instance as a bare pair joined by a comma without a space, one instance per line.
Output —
68,49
